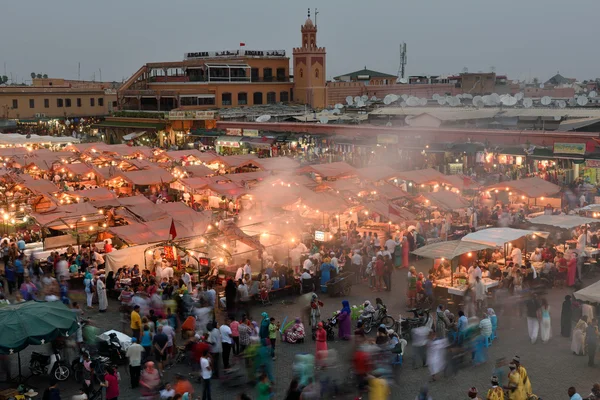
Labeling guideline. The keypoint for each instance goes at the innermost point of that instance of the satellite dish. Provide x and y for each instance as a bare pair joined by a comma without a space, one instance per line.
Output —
546,100
388,124
459,96
527,102
339,106
593,94
336,111
349,100
435,96
573,102
412,101
519,96
263,118
495,98
360,104
403,81
404,97
467,96
504,99
403,104
394,97
323,120
356,99
387,100
373,98
557,117
364,97
562,104
582,101
476,99
441,101
423,102
479,103
511,101
541,85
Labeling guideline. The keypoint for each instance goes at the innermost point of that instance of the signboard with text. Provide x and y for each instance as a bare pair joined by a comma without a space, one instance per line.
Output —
592,163
191,115
233,132
569,148
319,236
251,132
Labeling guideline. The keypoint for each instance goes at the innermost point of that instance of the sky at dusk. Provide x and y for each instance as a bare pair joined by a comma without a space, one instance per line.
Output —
523,39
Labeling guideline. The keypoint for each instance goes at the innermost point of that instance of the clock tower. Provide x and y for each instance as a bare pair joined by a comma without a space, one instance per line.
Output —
309,68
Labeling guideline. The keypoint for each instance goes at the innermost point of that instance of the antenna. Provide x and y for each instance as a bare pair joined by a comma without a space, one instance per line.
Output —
402,66
316,13
79,71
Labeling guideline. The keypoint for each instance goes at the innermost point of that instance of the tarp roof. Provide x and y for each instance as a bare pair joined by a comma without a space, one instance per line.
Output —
390,192
590,293
246,177
450,249
422,176
395,214
331,170
142,207
240,161
126,150
279,164
97,194
193,221
445,200
198,170
39,186
150,232
377,173
17,138
195,153
78,168
461,182
499,236
563,221
69,213
44,163
155,176
531,187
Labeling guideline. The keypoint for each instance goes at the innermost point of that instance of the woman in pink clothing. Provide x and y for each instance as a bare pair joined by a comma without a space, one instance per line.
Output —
235,335
321,339
572,270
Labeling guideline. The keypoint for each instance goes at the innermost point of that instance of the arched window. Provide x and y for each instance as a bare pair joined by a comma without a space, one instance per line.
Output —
317,73
301,73
284,97
271,98
257,98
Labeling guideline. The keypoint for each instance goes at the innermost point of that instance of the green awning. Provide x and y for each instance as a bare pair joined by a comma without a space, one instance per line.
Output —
206,133
124,124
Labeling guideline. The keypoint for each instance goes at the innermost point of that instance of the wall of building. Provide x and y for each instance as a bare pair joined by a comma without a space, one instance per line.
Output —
338,91
34,103
476,83
552,92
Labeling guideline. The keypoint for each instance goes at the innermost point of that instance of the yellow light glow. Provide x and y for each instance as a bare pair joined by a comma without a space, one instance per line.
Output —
469,254
91,228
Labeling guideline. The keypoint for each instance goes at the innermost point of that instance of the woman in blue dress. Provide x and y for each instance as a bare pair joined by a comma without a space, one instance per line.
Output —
325,269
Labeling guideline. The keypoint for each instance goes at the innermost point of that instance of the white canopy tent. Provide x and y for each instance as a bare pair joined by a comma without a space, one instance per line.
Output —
563,221
590,293
449,250
23,140
497,237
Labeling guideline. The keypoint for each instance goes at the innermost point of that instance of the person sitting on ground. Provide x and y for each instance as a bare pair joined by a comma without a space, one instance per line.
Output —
295,333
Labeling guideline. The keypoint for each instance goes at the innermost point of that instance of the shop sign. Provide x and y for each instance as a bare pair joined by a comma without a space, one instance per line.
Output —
592,163
319,236
191,115
251,132
383,138
233,132
569,148
226,143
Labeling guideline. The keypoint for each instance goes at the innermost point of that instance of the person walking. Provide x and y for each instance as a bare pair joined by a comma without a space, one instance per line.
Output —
206,371
533,313
111,383
149,381
591,341
160,343
88,283
546,325
495,392
134,354
102,298
566,317
420,338
321,339
227,343
136,322
216,347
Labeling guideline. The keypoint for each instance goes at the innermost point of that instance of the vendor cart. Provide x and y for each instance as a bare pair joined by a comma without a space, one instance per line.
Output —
341,284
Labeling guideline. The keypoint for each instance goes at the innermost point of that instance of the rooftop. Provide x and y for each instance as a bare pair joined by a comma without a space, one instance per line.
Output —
364,72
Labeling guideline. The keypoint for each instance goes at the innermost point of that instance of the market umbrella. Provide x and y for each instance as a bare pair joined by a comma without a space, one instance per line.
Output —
34,322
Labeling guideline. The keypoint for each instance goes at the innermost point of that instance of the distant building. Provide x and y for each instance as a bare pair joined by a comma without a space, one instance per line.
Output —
367,77
57,98
558,80
309,69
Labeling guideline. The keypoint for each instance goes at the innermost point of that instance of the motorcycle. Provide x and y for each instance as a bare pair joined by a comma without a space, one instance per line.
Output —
99,364
53,365
378,318
404,326
112,349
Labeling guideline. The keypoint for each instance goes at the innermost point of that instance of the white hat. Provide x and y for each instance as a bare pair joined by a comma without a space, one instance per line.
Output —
31,393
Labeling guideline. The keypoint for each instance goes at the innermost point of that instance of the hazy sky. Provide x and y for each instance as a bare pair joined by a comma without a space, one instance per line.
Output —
521,38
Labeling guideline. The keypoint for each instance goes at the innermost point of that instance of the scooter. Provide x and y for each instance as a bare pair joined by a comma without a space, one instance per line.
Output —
53,365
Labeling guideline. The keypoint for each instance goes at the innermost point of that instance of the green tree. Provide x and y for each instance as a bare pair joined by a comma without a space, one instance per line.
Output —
45,76
32,75
39,76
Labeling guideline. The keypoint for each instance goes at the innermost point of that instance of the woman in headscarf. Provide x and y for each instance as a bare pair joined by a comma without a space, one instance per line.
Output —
325,269
398,253
264,327
344,321
565,317
578,340
493,319
295,333
230,293
102,298
88,283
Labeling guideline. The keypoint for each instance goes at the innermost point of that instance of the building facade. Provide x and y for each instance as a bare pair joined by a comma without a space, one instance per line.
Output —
57,98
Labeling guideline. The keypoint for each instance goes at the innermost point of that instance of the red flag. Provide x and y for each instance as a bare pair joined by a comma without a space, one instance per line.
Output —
172,230
242,44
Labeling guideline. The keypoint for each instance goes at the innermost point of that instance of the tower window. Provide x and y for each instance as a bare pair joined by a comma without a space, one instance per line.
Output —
301,72
317,73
